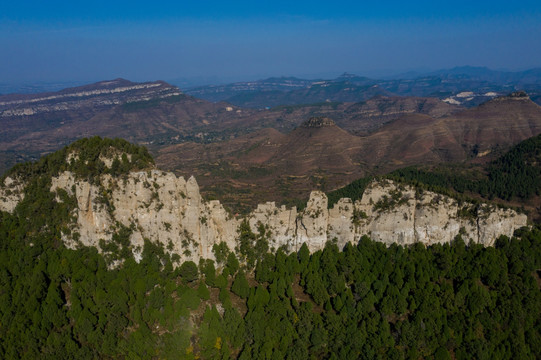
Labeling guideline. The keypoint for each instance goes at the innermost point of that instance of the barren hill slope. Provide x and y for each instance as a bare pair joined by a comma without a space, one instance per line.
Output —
494,126
411,139
498,123
321,154
316,154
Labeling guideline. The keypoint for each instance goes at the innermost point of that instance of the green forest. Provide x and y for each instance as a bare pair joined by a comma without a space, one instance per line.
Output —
365,301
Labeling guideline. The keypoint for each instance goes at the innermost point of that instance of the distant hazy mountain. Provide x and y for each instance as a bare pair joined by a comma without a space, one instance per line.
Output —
158,114
144,112
468,86
275,85
527,77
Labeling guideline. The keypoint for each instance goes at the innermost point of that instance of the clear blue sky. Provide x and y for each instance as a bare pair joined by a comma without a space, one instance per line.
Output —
145,40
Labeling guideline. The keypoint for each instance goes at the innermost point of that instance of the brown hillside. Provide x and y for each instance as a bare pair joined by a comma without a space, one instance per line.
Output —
383,110
412,139
311,147
496,124
273,165
157,114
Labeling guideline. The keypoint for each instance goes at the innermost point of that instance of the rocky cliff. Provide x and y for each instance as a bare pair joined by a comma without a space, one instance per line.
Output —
166,209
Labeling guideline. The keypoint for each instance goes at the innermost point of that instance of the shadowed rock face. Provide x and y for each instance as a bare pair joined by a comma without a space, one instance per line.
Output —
169,210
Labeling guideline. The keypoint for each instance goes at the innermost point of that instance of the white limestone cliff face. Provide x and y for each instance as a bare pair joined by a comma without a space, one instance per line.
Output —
493,222
396,213
389,214
93,221
313,223
11,193
342,222
281,222
158,206
169,210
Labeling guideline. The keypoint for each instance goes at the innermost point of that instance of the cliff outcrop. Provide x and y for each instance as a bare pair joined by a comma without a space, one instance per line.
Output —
169,210
155,205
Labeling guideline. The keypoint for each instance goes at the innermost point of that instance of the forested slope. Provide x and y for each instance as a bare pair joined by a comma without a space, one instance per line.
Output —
369,301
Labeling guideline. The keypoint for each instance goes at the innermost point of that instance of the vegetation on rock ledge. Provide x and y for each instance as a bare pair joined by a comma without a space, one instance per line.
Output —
85,158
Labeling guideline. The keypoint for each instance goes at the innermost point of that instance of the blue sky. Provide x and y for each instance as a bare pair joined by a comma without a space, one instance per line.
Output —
88,41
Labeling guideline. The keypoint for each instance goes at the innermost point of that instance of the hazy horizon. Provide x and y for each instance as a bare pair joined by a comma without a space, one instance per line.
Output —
67,42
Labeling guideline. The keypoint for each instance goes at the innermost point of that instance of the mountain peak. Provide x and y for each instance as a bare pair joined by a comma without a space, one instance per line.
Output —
318,122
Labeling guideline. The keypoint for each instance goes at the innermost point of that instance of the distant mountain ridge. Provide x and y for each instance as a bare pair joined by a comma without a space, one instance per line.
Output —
104,93
526,77
478,83
221,92
34,87
158,114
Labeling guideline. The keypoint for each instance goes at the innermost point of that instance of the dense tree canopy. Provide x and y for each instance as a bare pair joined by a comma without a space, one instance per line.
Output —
516,174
